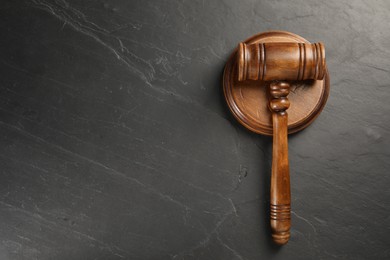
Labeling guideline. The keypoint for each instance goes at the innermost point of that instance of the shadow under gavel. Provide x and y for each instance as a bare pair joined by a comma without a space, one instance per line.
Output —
278,63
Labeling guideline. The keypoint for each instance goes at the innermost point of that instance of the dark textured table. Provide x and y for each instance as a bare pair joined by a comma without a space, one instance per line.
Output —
116,143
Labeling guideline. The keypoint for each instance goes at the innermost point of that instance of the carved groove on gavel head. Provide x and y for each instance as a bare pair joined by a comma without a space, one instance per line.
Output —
281,61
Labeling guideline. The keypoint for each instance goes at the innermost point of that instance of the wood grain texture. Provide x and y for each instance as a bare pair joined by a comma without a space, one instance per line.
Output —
281,61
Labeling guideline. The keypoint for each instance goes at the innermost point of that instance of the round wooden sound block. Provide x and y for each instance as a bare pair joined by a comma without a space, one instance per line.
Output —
248,100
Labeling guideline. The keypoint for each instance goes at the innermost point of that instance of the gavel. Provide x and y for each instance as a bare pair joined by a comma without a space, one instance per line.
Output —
276,65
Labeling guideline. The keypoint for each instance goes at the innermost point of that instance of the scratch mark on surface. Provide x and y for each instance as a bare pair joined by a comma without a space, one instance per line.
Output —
109,170
49,223
305,220
137,65
187,209
79,22
377,68
235,253
233,207
205,241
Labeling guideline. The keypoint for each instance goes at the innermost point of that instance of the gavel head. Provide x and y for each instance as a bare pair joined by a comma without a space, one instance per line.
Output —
281,61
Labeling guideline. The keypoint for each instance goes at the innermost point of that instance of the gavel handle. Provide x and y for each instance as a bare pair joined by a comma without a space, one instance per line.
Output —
280,179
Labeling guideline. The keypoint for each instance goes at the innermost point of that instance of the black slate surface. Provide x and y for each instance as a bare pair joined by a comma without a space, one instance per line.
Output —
115,142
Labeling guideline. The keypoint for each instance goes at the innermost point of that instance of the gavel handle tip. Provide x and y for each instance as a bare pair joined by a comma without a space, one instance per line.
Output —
281,238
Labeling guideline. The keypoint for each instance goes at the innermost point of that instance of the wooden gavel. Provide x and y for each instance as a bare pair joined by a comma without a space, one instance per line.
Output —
280,63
